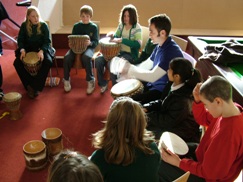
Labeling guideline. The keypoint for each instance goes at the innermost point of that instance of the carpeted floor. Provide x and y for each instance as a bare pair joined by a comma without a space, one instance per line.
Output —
75,113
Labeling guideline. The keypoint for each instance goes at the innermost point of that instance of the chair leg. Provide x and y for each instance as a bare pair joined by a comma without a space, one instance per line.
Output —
55,60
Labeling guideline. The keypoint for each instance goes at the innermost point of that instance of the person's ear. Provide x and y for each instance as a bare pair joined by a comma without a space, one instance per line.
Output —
218,100
162,33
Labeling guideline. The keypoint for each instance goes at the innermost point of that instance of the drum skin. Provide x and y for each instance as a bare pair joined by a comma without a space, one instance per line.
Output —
129,88
52,137
12,101
35,155
32,63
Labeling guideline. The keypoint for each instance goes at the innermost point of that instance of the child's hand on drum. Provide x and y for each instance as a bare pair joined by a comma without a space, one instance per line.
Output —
116,40
110,34
23,54
40,55
87,42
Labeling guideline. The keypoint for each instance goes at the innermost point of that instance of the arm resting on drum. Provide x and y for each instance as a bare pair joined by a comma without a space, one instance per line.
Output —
146,75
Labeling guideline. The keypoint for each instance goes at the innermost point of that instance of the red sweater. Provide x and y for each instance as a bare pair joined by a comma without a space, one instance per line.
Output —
220,152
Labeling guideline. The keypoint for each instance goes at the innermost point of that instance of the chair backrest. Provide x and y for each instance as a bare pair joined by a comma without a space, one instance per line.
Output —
145,36
183,178
189,58
180,41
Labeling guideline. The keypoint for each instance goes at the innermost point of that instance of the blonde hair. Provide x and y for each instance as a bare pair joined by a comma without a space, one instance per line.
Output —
28,22
124,132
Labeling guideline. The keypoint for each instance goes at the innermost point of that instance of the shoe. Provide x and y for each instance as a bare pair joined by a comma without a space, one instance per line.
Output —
91,86
103,89
31,92
67,85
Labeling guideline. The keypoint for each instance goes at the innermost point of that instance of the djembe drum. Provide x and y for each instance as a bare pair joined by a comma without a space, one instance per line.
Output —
174,143
78,46
32,63
35,155
52,137
129,88
109,51
12,101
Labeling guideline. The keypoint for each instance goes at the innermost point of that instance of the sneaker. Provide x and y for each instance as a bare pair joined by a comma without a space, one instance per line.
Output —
67,85
103,89
91,87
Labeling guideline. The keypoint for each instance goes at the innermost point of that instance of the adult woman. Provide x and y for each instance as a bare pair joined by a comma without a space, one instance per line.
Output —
126,150
34,36
129,35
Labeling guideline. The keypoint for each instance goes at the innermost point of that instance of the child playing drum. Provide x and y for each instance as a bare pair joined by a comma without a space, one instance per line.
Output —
84,27
129,35
173,111
219,156
34,36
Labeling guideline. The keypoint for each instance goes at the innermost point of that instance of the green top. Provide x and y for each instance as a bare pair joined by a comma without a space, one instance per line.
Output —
89,29
144,168
134,41
36,41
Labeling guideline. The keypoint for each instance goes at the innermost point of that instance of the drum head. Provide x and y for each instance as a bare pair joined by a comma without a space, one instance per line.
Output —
51,133
11,96
106,41
31,58
174,143
125,87
34,147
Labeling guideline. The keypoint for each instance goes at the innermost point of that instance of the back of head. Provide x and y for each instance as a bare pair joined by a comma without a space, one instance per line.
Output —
216,86
124,131
161,22
70,166
133,14
86,9
188,74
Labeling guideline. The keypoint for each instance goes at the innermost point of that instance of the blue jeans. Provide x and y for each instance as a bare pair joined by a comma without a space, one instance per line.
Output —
86,59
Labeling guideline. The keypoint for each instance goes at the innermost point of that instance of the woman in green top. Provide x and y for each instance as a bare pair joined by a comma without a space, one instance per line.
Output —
34,36
126,151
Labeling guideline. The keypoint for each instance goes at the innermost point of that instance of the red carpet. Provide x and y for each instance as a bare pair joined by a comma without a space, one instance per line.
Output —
75,113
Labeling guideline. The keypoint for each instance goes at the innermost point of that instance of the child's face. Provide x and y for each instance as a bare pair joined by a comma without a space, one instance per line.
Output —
214,108
170,74
85,18
126,18
34,17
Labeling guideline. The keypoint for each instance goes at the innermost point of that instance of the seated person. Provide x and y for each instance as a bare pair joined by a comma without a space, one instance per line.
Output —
34,36
71,166
153,70
219,156
84,27
126,151
173,113
128,33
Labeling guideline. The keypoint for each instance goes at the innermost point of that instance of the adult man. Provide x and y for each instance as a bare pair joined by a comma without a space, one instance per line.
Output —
153,70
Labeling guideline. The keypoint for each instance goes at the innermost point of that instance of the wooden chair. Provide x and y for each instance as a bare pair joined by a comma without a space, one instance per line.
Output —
183,178
180,41
189,58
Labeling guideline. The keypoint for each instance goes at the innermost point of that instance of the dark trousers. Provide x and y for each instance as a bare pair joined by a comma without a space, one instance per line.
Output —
1,78
36,82
168,173
147,95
